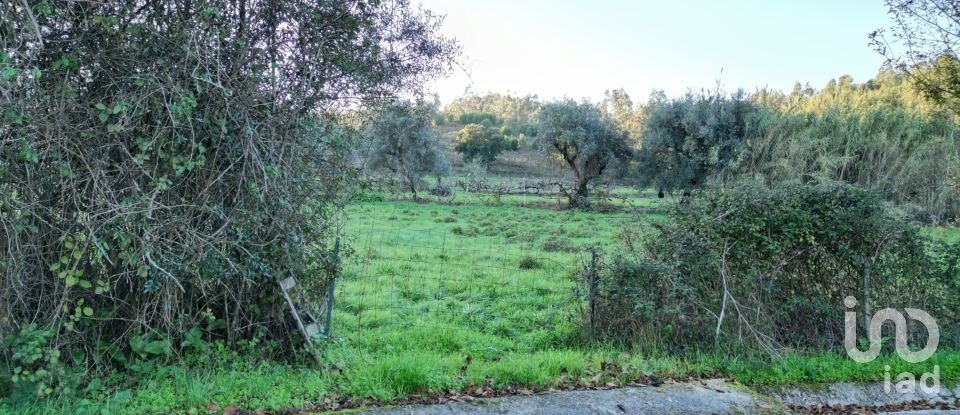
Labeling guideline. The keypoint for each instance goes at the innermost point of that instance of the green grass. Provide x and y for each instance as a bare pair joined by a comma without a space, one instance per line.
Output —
443,297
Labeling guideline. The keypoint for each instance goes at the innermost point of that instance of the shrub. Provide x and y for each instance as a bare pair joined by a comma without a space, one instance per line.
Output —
363,196
769,268
529,130
529,262
643,301
511,144
476,142
485,118
139,196
464,230
555,244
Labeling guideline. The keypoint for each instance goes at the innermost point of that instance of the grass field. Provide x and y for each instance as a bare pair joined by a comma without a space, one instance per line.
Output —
453,297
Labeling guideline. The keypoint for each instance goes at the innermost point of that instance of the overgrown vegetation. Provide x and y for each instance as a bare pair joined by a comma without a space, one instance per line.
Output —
764,269
162,164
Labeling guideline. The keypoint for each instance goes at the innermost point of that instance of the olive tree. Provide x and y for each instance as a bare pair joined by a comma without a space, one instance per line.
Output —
163,163
576,134
688,140
404,143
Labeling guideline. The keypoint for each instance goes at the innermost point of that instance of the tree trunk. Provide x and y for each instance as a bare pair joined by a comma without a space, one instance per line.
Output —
413,188
579,196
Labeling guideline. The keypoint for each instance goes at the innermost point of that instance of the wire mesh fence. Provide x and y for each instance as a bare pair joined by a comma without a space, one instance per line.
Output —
473,284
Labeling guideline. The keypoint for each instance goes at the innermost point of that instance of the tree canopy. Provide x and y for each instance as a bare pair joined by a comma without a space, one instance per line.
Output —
404,143
576,134
923,43
693,138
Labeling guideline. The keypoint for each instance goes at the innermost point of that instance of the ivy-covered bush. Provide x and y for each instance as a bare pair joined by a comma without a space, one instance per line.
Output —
769,268
163,163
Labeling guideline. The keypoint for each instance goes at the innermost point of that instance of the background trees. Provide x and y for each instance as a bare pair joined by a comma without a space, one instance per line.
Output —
618,106
923,43
481,143
519,113
404,143
162,163
588,144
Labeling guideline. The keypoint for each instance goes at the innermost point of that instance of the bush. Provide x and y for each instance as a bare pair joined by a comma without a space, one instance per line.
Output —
529,130
776,264
555,244
511,144
480,143
529,262
140,197
464,230
485,118
642,301
363,196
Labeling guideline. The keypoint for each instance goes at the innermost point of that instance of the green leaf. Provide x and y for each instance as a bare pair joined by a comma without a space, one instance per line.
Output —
65,171
36,73
85,284
104,117
136,343
26,153
87,311
9,73
71,281
157,347
101,106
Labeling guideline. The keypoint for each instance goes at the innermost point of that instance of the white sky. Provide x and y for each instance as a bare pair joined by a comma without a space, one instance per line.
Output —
579,49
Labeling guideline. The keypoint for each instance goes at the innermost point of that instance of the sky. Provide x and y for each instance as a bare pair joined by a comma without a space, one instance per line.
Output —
579,48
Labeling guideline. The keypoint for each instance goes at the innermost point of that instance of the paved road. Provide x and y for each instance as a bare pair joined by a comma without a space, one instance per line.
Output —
711,397
708,397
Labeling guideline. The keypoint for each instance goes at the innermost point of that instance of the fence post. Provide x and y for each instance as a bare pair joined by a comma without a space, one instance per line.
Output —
332,287
592,288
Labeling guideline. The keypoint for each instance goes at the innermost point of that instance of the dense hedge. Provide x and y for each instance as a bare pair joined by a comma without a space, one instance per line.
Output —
769,268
